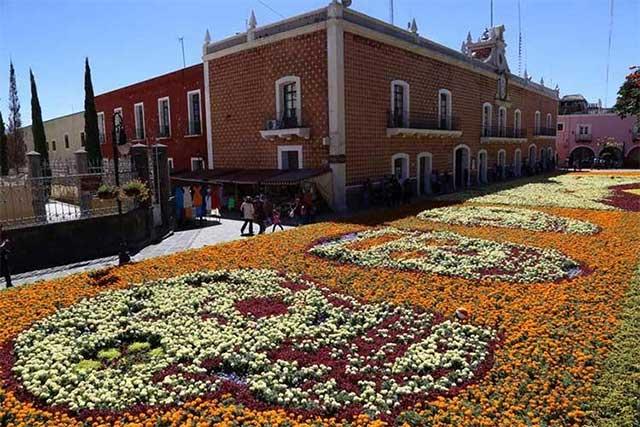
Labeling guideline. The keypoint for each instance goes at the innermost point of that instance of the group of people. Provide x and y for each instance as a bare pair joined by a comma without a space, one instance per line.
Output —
261,211
392,192
197,201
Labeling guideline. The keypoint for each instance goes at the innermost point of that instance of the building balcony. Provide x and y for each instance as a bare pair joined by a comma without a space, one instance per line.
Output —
545,132
503,135
583,137
164,132
423,125
286,128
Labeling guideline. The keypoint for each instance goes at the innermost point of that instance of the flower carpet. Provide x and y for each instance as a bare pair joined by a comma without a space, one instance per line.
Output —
499,314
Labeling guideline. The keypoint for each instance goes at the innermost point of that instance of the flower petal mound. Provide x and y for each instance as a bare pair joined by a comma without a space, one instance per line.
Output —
448,253
268,339
507,217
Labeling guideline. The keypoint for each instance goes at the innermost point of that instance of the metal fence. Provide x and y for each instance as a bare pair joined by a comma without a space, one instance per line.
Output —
61,191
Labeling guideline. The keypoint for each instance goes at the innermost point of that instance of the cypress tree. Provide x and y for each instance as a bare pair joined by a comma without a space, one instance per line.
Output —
4,150
91,132
37,126
15,139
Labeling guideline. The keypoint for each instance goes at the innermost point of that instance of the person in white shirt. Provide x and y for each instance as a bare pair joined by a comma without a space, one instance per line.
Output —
248,213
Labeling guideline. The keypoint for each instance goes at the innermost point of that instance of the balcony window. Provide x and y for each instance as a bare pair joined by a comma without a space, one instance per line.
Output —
195,123
536,125
549,123
444,109
583,133
487,117
164,118
399,104
502,121
517,122
139,120
288,103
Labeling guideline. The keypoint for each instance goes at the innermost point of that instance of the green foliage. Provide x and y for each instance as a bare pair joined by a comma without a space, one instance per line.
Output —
91,132
107,192
4,153
109,354
617,392
85,366
137,189
628,103
138,347
37,126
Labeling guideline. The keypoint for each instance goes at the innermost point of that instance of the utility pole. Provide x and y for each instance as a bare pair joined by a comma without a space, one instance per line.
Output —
184,62
391,11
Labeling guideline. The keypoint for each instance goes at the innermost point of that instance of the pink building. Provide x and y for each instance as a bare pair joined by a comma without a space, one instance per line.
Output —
597,136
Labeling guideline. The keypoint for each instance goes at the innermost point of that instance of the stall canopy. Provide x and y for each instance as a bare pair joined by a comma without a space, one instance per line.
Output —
250,176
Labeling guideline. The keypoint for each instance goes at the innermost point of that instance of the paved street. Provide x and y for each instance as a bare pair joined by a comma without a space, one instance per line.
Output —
228,230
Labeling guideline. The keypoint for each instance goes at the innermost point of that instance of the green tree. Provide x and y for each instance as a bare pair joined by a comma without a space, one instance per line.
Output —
91,132
37,126
4,150
15,139
628,103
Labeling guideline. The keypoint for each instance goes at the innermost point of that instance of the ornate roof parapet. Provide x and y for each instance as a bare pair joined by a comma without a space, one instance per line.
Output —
252,24
490,48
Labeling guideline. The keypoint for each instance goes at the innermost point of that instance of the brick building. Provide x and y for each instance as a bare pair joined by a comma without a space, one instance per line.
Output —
340,90
167,109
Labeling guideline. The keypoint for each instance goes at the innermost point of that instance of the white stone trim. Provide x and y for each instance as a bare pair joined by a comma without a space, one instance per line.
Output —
200,159
282,148
446,92
456,148
407,172
190,112
286,133
517,120
549,121
170,164
135,121
424,132
490,139
164,98
504,162
487,125
420,173
207,112
280,84
406,101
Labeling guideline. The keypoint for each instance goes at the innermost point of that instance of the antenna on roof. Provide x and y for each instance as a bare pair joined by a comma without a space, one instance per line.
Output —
519,40
391,11
491,13
184,62
606,95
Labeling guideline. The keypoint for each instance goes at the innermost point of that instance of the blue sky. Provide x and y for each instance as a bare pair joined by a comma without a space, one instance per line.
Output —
131,40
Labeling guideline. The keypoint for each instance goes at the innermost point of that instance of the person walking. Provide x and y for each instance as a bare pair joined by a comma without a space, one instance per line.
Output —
258,213
248,212
4,259
276,220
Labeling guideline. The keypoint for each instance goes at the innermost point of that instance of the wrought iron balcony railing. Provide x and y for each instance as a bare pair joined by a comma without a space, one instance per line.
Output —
583,137
495,132
546,132
283,123
423,121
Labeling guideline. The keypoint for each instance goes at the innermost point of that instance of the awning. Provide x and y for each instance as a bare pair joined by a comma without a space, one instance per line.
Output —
292,177
202,176
249,176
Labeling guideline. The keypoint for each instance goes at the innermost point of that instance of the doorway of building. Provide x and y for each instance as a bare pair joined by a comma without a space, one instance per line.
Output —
517,163
581,157
425,168
461,159
482,167
400,166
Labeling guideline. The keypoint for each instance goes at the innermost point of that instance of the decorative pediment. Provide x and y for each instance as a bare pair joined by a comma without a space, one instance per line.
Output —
490,48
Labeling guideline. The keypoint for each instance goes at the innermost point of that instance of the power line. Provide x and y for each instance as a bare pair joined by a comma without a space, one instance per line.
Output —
271,9
606,95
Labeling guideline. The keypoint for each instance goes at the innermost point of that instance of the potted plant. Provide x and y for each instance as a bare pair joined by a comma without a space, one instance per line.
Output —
137,189
107,192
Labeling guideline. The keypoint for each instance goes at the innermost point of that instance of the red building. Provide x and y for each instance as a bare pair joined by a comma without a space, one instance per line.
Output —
167,109
336,89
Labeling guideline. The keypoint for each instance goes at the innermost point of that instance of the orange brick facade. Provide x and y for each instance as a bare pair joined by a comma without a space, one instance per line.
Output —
243,99
370,67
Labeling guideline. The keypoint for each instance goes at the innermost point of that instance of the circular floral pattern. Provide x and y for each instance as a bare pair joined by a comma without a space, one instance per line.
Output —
283,341
507,217
448,253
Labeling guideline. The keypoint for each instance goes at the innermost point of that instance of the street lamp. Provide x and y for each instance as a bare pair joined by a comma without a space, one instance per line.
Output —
119,139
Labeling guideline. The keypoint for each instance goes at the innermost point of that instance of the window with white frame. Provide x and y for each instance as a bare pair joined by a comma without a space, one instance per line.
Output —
549,123
164,118
101,128
194,110
289,102
138,110
560,126
197,163
487,118
290,157
66,141
399,104
502,121
444,109
170,164
400,166
584,130
517,123
536,123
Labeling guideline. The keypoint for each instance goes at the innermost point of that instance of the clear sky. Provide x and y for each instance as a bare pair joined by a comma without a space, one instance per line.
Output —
565,41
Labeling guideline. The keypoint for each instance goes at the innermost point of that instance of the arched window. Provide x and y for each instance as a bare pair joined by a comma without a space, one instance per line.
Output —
502,121
399,104
487,118
517,123
289,101
549,123
444,109
517,162
536,124
400,166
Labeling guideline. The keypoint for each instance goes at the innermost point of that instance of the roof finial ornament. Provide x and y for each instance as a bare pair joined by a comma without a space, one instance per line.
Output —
253,23
526,74
542,81
414,26
207,37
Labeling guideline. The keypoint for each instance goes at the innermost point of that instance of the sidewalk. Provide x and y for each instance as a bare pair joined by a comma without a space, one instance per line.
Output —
210,234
